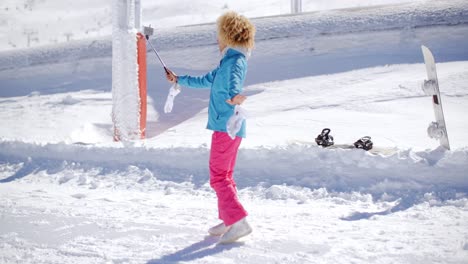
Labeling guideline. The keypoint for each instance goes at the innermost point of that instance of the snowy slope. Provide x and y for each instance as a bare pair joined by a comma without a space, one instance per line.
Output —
409,17
69,194
89,19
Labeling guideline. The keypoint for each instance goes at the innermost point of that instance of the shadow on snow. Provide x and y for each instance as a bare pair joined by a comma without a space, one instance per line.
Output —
195,251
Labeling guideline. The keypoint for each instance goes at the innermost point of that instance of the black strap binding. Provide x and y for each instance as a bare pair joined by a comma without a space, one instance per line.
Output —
364,143
324,139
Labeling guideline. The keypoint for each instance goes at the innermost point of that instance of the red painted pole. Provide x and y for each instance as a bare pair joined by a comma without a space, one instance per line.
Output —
141,46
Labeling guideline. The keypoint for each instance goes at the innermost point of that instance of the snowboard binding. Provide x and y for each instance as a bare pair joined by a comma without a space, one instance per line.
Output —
435,131
364,143
324,139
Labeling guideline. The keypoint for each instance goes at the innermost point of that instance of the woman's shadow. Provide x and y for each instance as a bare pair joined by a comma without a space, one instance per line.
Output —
196,251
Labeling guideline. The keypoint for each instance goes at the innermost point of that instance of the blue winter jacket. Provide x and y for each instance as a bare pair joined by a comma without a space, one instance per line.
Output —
226,81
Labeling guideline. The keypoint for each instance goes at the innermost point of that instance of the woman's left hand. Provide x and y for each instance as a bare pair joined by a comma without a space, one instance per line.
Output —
236,100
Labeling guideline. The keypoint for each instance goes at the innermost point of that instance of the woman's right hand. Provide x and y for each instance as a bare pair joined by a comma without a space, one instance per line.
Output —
237,100
171,76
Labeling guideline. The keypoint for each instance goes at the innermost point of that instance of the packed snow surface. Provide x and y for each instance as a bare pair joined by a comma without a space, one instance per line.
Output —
69,194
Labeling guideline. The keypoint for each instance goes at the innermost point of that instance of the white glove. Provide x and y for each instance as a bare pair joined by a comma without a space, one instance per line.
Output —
234,123
173,92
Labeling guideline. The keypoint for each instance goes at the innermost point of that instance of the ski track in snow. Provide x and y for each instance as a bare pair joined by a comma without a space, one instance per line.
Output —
98,201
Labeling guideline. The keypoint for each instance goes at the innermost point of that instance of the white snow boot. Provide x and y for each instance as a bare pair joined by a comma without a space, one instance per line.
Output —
239,229
218,230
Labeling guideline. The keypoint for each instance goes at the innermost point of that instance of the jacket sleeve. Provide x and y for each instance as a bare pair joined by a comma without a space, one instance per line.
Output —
204,81
236,78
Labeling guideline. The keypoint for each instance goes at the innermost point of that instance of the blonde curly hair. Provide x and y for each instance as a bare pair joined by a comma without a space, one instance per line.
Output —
236,30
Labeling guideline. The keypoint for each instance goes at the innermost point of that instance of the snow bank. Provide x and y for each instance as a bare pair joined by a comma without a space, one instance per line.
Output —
338,170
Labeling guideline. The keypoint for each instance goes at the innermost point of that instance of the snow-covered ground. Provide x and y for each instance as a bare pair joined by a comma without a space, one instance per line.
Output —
69,194
96,215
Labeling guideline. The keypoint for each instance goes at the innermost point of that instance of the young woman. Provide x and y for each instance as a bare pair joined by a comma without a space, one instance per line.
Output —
235,40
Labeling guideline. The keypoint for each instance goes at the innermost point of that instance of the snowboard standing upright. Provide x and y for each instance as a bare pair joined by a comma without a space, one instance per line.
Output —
438,129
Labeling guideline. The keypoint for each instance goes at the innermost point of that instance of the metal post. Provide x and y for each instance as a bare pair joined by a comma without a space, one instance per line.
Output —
138,16
125,80
296,6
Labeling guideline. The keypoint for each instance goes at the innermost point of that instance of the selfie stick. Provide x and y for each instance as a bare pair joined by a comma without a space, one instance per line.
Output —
148,31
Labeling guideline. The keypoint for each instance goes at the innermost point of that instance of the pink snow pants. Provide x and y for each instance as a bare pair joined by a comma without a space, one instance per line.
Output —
222,161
